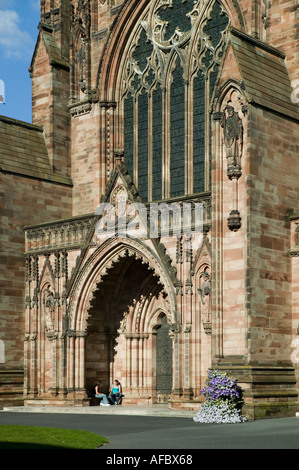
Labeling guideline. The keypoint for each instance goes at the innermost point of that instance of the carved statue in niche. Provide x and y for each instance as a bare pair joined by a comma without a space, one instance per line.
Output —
80,30
49,309
81,57
233,139
205,295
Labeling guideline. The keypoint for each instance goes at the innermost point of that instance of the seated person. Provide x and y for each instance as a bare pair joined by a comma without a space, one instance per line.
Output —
100,394
115,393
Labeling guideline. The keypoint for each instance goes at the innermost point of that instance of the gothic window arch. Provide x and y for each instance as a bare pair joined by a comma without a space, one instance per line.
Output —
168,78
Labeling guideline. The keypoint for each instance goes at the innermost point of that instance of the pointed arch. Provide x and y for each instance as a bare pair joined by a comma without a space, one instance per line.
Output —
98,264
130,15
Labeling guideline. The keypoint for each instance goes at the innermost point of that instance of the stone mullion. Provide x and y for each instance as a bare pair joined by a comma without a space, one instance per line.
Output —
135,145
150,147
166,144
207,134
189,138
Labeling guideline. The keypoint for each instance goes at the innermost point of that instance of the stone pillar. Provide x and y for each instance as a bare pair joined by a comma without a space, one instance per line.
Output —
134,364
80,361
71,360
177,387
26,365
187,392
33,382
62,368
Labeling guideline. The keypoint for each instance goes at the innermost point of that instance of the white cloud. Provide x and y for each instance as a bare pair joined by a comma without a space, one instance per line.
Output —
13,41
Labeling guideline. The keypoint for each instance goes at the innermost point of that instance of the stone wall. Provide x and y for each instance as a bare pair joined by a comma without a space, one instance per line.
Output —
24,201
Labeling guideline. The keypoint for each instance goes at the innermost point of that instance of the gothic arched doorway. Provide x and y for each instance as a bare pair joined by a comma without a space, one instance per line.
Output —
125,331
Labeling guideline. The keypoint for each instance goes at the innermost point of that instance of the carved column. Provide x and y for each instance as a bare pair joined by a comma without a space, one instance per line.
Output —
187,391
108,125
71,360
134,365
80,362
177,387
33,371
26,365
128,383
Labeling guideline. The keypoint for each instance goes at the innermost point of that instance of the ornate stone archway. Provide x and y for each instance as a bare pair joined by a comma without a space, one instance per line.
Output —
114,314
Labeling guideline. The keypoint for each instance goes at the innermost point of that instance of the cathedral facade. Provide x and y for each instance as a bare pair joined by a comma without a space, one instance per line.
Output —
150,211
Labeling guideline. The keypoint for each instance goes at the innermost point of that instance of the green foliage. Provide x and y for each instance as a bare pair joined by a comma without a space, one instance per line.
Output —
34,437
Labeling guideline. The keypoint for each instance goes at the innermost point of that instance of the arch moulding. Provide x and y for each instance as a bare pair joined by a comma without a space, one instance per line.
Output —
116,44
98,265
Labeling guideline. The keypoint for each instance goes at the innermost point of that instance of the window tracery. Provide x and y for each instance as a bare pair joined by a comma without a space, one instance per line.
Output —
167,83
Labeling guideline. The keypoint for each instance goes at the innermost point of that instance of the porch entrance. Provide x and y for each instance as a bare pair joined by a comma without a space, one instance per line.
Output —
128,333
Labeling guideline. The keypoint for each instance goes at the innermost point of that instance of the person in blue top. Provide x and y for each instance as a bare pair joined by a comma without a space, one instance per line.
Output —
115,393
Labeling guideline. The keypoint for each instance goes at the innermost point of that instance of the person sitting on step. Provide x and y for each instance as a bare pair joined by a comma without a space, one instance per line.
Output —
115,393
100,394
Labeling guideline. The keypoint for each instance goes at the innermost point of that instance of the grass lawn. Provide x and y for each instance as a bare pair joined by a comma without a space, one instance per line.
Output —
34,437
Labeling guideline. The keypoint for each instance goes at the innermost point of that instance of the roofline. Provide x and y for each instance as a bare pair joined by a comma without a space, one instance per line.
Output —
16,122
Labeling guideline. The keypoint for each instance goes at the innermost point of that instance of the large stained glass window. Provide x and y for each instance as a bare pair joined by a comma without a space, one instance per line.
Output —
168,80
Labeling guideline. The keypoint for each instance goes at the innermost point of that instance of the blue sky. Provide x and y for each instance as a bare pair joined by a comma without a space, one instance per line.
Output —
19,20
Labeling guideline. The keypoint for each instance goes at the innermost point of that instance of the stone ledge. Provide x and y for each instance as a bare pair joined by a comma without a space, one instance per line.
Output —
267,410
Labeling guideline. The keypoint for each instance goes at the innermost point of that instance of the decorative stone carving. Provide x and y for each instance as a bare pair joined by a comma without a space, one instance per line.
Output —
205,294
234,220
49,309
81,57
230,116
233,140
80,29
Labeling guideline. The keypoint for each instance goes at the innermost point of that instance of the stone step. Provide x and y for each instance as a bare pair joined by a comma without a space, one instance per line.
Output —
150,410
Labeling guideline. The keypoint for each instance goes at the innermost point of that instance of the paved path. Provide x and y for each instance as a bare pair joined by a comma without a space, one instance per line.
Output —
128,431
